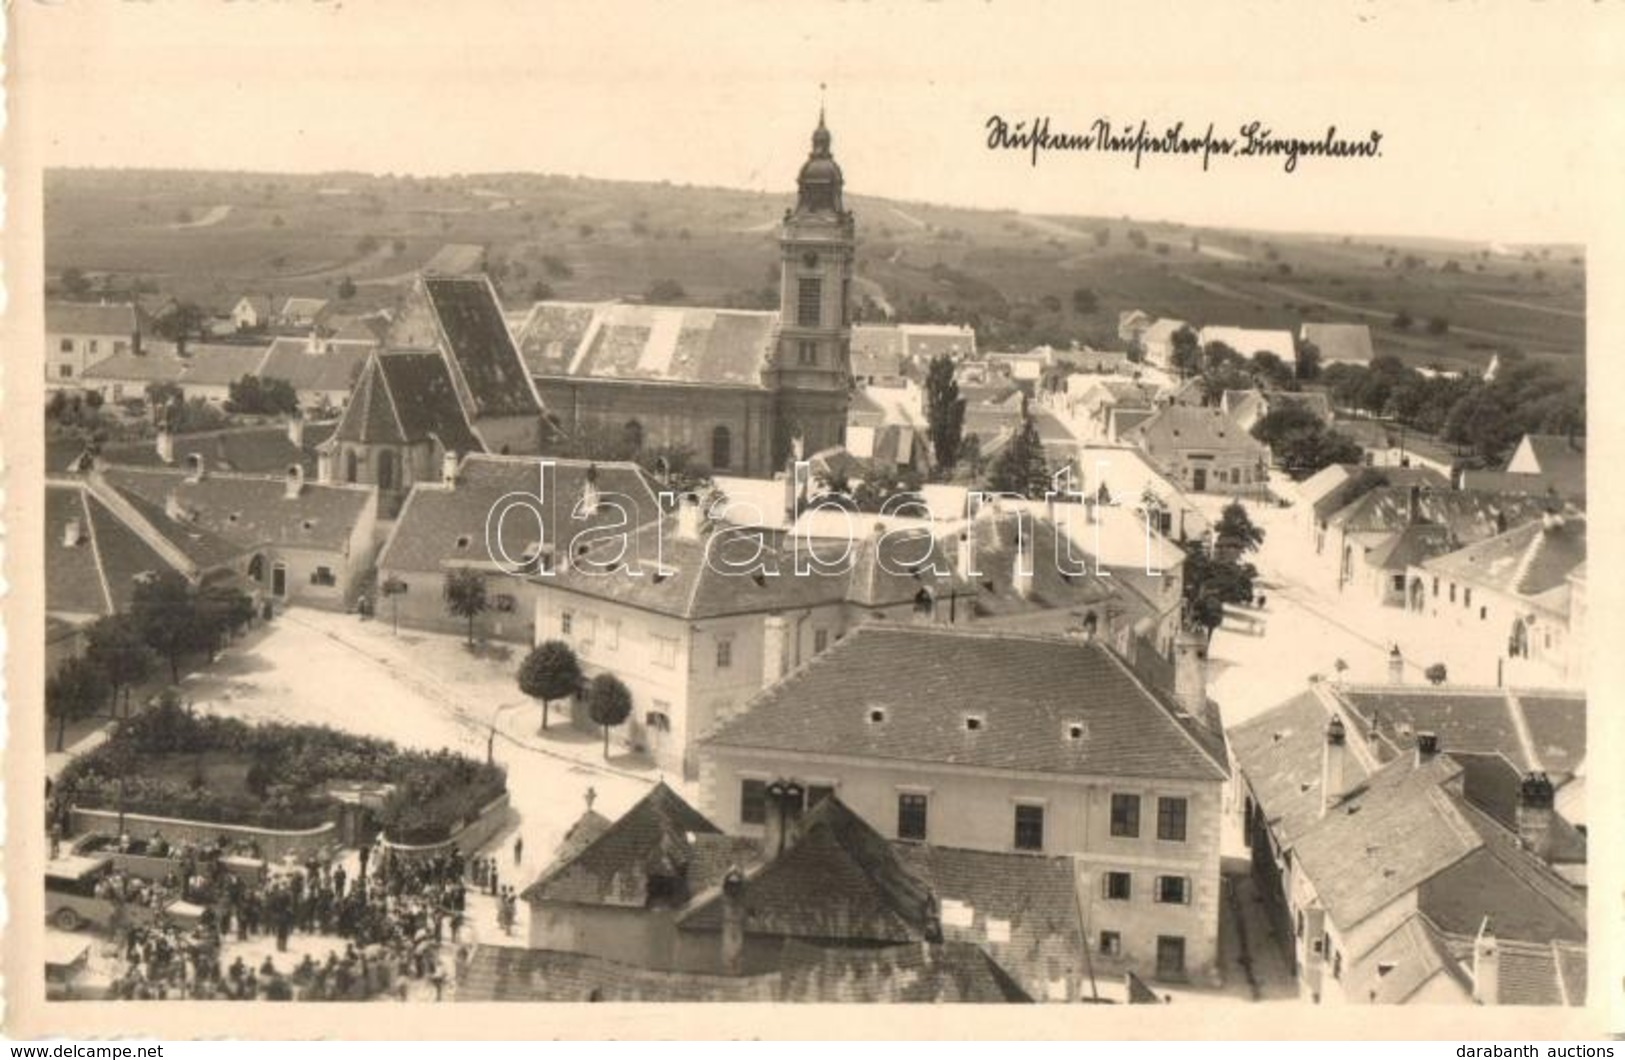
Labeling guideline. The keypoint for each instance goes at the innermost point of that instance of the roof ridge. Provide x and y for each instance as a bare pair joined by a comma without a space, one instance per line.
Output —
96,551
1520,725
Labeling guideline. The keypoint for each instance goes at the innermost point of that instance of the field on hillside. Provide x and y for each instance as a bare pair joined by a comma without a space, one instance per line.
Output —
211,237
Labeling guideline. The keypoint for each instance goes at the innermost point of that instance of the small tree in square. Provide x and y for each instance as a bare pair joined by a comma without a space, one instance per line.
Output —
609,703
75,691
551,671
466,597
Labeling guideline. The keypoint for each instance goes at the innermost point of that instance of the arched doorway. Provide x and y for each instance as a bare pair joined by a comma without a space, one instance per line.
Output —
349,465
386,469
256,568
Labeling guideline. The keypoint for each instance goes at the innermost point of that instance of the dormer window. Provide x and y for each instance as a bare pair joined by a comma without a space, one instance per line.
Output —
1074,731
974,722
877,715
462,541
233,517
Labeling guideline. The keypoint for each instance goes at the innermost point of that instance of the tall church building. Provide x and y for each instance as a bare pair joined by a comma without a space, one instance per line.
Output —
737,388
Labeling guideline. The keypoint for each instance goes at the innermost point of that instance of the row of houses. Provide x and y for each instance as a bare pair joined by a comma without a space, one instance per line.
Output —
1337,343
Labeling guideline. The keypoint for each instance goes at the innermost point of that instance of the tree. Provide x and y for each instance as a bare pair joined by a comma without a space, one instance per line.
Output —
609,703
74,284
1186,355
1210,582
75,691
541,292
549,672
1235,529
262,396
1021,468
1437,673
1271,372
1085,302
124,658
346,289
1402,320
465,597
1438,325
944,411
180,322
164,609
1308,361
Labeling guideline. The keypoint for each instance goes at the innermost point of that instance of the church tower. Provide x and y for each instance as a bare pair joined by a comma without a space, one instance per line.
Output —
811,372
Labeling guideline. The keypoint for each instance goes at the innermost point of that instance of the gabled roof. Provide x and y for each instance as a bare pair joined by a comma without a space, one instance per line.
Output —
838,880
660,833
439,528
1161,330
551,334
461,318
1332,497
404,398
1556,455
1526,561
1411,546
74,583
1468,515
1178,427
335,369
250,511
1412,956
302,308
1340,343
924,681
924,342
1280,753
1329,478
254,450
90,318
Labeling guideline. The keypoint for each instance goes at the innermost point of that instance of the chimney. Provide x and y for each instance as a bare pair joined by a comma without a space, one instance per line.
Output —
1486,966
324,466
688,517
1427,747
314,344
775,648
296,430
196,468
1534,814
1190,672
1334,765
448,469
73,534
1413,506
166,445
174,509
1396,666
294,483
733,921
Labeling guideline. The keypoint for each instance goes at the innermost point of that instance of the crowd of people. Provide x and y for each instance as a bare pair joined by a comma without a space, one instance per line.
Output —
395,916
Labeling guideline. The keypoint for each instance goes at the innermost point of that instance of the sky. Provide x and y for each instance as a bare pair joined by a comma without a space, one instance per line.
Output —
1490,116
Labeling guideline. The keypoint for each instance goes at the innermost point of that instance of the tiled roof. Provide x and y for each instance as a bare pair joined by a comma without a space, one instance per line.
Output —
1521,895
1571,972
89,318
668,343
1329,478
478,346
335,370
1470,516
919,973
1332,498
152,366
203,547
250,511
1524,561
301,308
877,350
1348,343
508,973
1563,462
1022,909
406,398
1557,728
838,880
439,527
254,450
1413,955
551,334
614,868
218,364
1280,753
1184,427
73,583
1385,839
924,681
923,342
1479,721
1411,546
